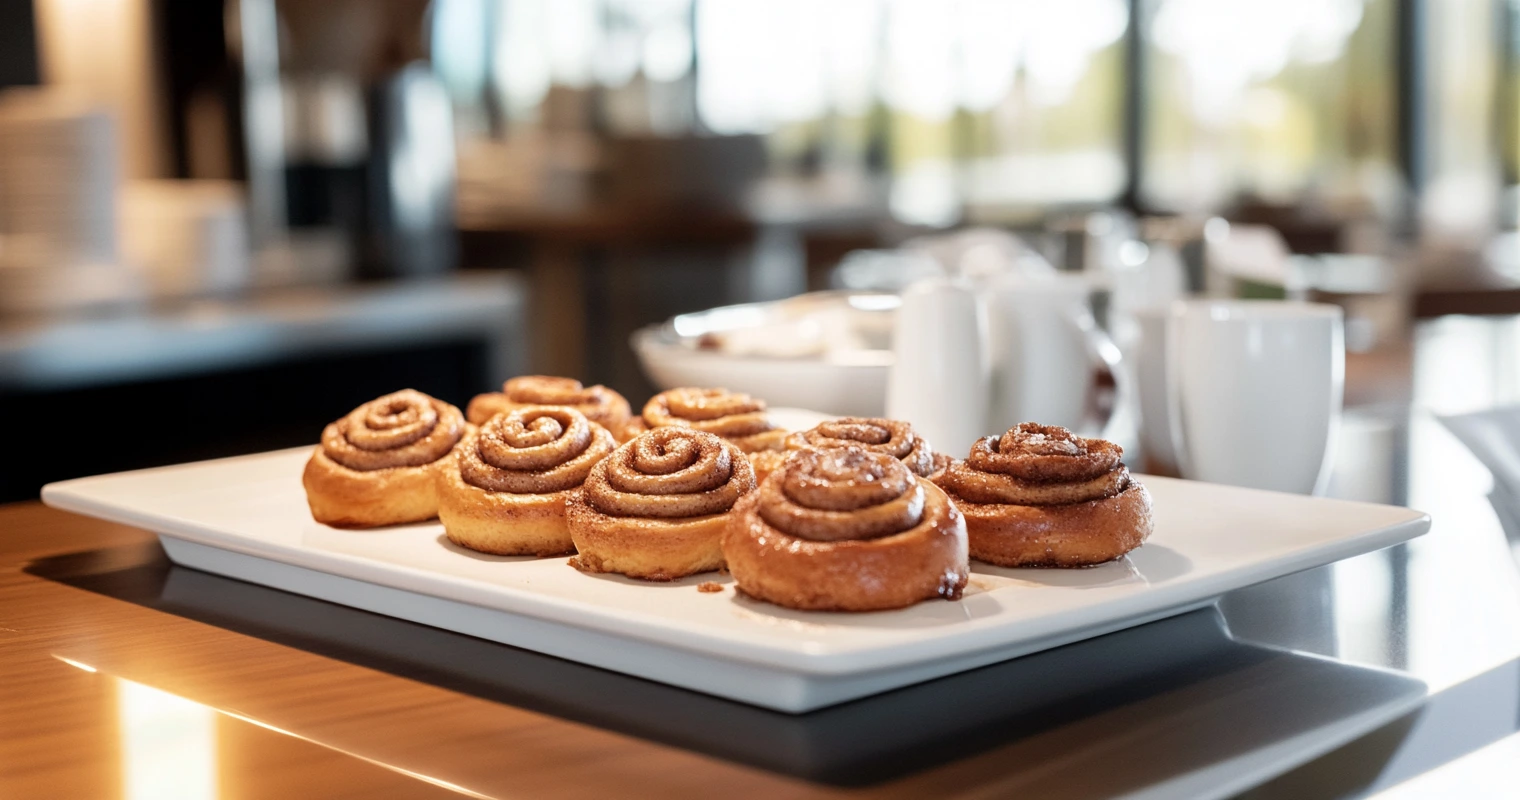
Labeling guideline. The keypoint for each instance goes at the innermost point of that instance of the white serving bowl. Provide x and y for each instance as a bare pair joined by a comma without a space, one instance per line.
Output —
826,351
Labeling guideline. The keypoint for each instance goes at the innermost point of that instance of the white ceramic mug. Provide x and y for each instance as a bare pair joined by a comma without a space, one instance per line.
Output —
1254,391
1148,358
939,376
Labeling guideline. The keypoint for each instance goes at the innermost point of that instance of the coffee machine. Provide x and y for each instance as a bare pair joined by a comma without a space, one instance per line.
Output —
323,116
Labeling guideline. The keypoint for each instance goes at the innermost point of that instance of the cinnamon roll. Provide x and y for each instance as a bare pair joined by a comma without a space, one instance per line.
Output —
379,464
739,418
767,461
1040,496
847,529
601,405
893,437
505,491
655,508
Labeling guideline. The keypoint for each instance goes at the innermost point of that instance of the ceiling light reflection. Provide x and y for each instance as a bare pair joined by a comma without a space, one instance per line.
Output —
76,664
168,745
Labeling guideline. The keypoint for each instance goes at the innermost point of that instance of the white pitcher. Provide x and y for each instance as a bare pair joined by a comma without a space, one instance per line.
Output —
1050,362
973,360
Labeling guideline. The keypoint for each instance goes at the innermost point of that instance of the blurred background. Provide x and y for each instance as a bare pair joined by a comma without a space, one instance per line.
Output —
224,224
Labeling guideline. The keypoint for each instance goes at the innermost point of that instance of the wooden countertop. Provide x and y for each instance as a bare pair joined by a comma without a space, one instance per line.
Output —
95,690
122,676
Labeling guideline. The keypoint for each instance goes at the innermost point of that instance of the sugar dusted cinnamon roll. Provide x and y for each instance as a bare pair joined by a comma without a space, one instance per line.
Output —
739,418
1040,496
767,461
379,464
655,508
601,405
846,529
893,437
505,491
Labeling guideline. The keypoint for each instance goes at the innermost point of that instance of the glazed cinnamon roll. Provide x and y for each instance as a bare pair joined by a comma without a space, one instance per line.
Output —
1040,496
893,437
599,404
655,508
767,461
505,491
739,418
379,464
847,529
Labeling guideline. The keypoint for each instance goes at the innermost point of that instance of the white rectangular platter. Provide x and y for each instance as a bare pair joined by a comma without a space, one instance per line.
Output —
246,518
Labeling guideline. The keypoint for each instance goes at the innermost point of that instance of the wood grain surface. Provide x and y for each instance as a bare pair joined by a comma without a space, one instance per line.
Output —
271,720
122,676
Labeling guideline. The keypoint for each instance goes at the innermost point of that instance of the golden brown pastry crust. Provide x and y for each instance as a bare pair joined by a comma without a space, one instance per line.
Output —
501,523
1040,496
484,406
767,461
877,434
344,498
739,418
1064,535
601,405
504,491
648,549
760,442
846,530
379,464
656,508
942,462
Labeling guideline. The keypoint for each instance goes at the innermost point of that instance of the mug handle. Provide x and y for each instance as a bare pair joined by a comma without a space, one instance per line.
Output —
1172,378
1101,350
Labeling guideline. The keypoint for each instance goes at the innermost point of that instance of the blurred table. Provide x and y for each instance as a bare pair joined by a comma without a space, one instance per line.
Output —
218,377
600,269
123,675
263,327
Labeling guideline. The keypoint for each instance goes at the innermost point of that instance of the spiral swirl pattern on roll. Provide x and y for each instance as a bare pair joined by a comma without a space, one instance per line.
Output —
840,493
534,450
893,437
544,390
401,429
1038,465
670,473
718,411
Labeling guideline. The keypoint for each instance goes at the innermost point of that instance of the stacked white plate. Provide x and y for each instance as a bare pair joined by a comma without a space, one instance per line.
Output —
58,182
190,237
